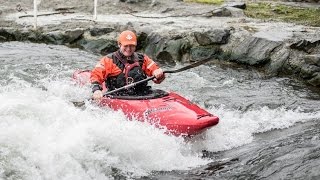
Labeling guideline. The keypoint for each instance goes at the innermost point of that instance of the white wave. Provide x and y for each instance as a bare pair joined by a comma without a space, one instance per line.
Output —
43,136
237,128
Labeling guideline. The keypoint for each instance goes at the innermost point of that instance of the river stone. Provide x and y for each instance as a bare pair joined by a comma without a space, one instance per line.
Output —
216,36
313,59
57,37
6,36
308,71
252,50
100,31
201,52
221,12
239,5
73,35
154,44
166,49
306,45
277,60
101,46
315,81
235,12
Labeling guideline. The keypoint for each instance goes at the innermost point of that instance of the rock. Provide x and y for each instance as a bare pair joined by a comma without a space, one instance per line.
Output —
235,12
201,52
222,12
56,37
305,45
100,31
73,35
313,59
100,46
308,71
166,50
239,5
315,81
6,36
211,37
251,50
277,61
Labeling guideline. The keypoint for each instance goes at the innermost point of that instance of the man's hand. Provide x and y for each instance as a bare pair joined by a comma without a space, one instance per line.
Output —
158,73
97,95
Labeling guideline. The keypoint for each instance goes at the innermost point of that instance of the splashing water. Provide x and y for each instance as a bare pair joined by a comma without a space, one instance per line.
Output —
43,136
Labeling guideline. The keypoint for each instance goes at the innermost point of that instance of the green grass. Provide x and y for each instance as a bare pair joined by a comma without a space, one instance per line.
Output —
305,16
217,2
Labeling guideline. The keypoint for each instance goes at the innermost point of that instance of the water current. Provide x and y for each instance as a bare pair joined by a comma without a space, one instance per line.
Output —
269,127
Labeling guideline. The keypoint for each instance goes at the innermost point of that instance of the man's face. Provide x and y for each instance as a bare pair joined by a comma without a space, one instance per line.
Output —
127,50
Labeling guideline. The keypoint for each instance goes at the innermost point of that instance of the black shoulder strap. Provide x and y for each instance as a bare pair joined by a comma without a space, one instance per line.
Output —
139,57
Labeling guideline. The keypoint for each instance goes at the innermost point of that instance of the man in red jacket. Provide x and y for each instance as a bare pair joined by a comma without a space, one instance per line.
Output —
123,67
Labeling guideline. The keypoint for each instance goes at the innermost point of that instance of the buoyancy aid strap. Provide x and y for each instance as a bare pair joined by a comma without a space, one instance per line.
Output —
127,69
118,56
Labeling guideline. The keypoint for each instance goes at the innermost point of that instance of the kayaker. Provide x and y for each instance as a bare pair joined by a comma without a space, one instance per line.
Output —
123,67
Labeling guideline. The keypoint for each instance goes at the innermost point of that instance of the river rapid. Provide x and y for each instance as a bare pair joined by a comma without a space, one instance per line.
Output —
269,127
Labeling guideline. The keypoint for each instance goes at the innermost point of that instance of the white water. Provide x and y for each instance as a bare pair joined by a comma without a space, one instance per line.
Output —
43,136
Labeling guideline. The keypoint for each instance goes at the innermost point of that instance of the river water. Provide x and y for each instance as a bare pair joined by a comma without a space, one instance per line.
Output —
269,127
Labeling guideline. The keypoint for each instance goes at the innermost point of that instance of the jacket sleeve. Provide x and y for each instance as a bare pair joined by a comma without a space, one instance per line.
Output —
149,66
103,69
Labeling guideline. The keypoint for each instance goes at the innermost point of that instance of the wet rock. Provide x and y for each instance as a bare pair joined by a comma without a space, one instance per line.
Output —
56,37
154,43
99,46
100,31
306,45
277,61
315,81
211,37
222,12
167,50
251,50
201,52
293,64
308,71
313,59
73,35
239,5
6,36
235,12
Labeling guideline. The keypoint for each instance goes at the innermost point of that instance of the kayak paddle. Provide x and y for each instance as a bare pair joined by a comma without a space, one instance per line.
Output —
81,103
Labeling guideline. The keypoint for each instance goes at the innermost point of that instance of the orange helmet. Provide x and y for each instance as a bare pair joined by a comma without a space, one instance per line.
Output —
127,38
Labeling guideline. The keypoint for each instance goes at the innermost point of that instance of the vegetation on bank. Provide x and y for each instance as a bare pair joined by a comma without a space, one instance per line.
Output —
277,12
306,16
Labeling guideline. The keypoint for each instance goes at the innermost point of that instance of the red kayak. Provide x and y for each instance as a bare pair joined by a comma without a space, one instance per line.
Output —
166,110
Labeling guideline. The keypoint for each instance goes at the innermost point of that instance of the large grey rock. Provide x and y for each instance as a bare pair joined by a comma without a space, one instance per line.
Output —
166,49
308,71
315,81
99,46
6,36
313,59
100,31
251,50
306,45
201,52
235,12
211,37
277,60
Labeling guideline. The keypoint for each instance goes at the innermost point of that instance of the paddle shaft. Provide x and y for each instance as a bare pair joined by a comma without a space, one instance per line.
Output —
150,78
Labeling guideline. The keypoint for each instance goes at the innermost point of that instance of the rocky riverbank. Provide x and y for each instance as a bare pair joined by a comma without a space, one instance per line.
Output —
171,31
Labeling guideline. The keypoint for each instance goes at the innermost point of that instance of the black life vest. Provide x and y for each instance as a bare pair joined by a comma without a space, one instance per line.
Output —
131,72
